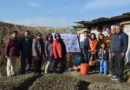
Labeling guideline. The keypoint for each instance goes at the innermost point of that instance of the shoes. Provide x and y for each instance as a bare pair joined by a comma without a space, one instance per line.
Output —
27,67
119,81
38,74
93,71
46,72
69,69
105,74
109,75
100,73
114,78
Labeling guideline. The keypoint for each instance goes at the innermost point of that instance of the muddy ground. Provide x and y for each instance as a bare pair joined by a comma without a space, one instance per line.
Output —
66,81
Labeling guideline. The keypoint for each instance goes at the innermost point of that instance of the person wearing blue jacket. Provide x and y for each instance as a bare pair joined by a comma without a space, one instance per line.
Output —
119,44
86,47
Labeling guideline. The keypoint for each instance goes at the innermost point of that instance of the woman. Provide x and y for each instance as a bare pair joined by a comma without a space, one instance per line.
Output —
100,41
59,51
93,43
38,51
49,51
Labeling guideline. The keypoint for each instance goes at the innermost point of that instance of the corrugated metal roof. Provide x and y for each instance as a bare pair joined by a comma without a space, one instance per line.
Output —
106,20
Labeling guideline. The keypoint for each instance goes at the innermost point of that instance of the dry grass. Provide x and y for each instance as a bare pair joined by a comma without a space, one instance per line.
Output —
58,82
21,82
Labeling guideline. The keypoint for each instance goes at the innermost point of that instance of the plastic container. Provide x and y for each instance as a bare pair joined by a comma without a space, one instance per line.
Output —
84,68
77,59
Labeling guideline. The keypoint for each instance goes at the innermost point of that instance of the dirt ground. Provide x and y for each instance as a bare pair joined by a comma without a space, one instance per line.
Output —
101,82
65,81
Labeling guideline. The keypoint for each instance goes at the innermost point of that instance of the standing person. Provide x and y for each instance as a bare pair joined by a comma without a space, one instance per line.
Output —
12,52
107,41
103,54
100,41
112,60
38,52
119,47
100,30
49,51
93,43
59,51
86,47
107,31
26,52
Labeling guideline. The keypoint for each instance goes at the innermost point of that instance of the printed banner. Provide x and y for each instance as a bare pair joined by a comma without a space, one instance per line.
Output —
71,42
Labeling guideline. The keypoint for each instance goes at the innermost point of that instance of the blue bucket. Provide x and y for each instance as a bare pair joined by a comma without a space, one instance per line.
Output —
77,59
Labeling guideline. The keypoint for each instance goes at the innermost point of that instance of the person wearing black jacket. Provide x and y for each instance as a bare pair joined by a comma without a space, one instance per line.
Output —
119,46
103,55
26,52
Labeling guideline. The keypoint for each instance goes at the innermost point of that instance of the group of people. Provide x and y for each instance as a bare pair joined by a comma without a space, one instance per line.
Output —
110,49
35,50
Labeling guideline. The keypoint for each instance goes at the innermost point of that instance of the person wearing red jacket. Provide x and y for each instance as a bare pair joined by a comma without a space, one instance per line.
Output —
59,51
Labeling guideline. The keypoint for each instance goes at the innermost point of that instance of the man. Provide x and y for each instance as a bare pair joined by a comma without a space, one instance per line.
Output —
119,46
26,52
11,52
111,59
86,47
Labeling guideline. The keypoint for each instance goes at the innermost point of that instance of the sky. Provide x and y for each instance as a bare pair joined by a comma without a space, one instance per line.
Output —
59,13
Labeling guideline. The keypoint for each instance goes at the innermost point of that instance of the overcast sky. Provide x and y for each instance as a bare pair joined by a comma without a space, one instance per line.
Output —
61,13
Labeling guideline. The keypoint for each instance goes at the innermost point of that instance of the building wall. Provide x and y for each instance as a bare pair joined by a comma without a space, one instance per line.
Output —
127,30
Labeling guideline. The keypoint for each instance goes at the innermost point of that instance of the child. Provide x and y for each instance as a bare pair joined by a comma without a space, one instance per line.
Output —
103,57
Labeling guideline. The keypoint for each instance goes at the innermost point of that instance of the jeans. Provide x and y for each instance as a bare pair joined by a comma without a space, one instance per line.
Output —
103,66
25,61
48,63
86,57
37,64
